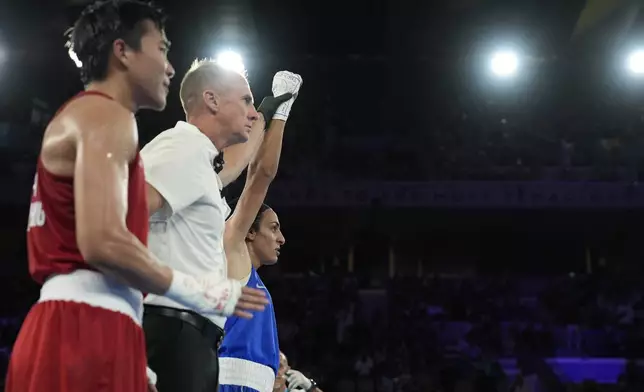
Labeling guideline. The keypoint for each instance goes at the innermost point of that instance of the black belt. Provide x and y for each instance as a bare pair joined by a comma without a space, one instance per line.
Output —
207,328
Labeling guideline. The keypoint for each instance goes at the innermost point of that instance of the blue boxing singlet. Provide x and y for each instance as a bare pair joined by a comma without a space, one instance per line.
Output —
249,355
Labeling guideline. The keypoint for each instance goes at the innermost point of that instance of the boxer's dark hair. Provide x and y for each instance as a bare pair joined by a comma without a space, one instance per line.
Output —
258,217
103,22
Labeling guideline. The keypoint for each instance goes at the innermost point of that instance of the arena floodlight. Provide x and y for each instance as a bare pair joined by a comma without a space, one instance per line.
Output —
231,60
504,63
635,62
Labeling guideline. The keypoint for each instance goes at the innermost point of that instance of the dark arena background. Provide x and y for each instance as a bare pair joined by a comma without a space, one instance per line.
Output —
459,186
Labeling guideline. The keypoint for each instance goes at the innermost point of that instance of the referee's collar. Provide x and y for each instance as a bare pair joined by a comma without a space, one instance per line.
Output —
189,127
211,146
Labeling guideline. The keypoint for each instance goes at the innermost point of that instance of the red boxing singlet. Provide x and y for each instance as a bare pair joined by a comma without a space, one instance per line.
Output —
51,230
84,333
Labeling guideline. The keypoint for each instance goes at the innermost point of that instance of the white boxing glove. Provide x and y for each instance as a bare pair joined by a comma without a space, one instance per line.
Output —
296,380
207,295
285,82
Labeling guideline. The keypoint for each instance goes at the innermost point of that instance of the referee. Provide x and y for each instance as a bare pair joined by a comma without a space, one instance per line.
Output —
187,221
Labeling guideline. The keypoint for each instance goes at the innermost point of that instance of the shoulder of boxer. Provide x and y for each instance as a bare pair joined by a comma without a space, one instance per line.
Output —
100,120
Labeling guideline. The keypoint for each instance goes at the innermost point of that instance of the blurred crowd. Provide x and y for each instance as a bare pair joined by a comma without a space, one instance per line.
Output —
432,333
451,333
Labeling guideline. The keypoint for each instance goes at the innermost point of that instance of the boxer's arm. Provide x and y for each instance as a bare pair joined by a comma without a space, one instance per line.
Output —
105,147
261,172
238,156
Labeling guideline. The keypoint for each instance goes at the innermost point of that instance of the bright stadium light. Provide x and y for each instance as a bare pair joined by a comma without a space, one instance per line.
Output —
504,63
72,55
231,60
636,62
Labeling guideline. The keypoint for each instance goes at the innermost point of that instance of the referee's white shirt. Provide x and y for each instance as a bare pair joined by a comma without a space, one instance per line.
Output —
187,234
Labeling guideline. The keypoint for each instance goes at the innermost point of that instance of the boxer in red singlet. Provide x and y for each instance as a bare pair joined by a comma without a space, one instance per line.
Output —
88,220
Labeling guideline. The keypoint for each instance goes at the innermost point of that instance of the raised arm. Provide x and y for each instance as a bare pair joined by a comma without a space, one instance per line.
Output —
261,172
238,156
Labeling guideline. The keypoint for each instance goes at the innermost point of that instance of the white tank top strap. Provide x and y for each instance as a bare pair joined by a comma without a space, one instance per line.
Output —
95,289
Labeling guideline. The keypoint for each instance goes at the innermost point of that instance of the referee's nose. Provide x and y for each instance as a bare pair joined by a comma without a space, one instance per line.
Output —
252,114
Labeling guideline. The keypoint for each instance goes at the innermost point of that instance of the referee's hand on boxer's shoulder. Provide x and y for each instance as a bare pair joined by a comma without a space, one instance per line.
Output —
251,299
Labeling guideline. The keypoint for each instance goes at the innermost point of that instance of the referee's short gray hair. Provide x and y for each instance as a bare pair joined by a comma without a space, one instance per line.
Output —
203,74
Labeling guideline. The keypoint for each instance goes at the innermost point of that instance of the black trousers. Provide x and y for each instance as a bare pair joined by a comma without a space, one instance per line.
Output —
182,350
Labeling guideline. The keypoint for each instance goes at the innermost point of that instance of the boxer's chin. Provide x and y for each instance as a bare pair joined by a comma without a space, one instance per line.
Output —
163,102
157,104
161,106
271,261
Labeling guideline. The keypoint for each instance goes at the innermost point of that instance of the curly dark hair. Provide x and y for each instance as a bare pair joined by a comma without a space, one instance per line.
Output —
103,22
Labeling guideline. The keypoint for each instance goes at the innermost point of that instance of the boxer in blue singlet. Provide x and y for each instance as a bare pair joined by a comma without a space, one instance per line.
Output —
249,354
